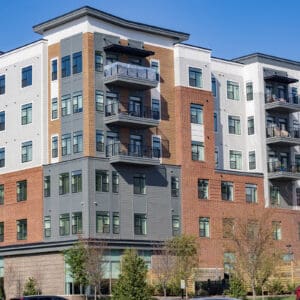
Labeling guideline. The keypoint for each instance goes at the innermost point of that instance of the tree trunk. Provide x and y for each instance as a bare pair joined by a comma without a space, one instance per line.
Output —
253,290
95,292
165,291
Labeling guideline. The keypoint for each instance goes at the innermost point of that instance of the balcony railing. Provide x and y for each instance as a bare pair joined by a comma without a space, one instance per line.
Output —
277,170
131,153
142,112
290,104
291,99
277,135
122,73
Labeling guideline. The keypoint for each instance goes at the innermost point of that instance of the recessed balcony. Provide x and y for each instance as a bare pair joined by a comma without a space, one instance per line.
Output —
130,76
133,154
141,117
278,170
278,136
288,105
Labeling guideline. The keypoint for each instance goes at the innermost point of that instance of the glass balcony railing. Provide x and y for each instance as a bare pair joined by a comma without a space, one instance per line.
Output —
119,73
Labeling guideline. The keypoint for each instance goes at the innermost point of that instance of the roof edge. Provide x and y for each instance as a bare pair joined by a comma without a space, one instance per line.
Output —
93,12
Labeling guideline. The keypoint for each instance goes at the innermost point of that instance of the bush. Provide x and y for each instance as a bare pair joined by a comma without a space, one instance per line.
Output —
237,287
275,287
30,287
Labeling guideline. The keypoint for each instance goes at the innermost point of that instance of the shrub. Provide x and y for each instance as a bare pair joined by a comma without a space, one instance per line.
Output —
275,287
237,287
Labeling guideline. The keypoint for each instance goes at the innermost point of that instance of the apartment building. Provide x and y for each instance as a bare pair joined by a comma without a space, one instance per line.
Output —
117,131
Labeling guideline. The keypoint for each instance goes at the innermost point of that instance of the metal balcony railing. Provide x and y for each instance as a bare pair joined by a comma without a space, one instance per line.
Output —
291,99
274,131
131,71
277,166
142,112
132,150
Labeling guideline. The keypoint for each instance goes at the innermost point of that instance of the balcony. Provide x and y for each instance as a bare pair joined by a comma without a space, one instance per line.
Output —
277,170
288,105
133,154
278,136
130,76
140,117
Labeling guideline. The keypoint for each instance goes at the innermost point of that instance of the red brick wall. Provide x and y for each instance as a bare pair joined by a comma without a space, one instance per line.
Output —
30,209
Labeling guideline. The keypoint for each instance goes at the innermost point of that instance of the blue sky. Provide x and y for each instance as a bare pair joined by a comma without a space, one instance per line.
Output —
231,28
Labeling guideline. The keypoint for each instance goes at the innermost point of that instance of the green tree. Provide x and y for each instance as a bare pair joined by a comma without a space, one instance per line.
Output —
30,287
76,258
132,284
185,250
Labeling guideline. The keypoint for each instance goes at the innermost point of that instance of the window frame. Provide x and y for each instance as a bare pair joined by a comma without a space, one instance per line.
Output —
21,190
101,181
22,229
102,216
204,227
227,190
195,77
140,224
26,76
26,114
233,90
139,184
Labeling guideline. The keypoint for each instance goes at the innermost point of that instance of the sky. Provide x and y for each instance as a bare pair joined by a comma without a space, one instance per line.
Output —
231,28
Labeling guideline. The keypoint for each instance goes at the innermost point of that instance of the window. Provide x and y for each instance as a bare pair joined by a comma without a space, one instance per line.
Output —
47,186
26,114
66,144
2,157
252,229
22,190
204,227
251,193
202,188
102,222
115,182
54,109
234,125
65,105
77,102
155,109
26,76
195,77
140,224
214,86
235,158
275,195
174,186
228,227
54,146
26,151
2,84
2,120
22,229
196,111
102,181
1,194
215,122
197,151
252,160
47,226
64,183
250,125
175,225
227,190
116,223
249,91
99,100
98,61
294,94
64,224
76,222
297,196
276,226
54,69
77,62
65,66
156,146
233,92
155,66
216,157
139,184
299,231
99,141
111,58
229,261
76,181
1,231
77,142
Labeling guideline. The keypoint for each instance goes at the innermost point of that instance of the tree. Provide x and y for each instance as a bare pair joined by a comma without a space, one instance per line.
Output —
255,255
30,287
185,250
132,284
94,266
163,266
75,257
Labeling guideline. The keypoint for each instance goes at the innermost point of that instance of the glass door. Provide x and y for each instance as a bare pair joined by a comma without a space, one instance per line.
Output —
135,106
135,145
